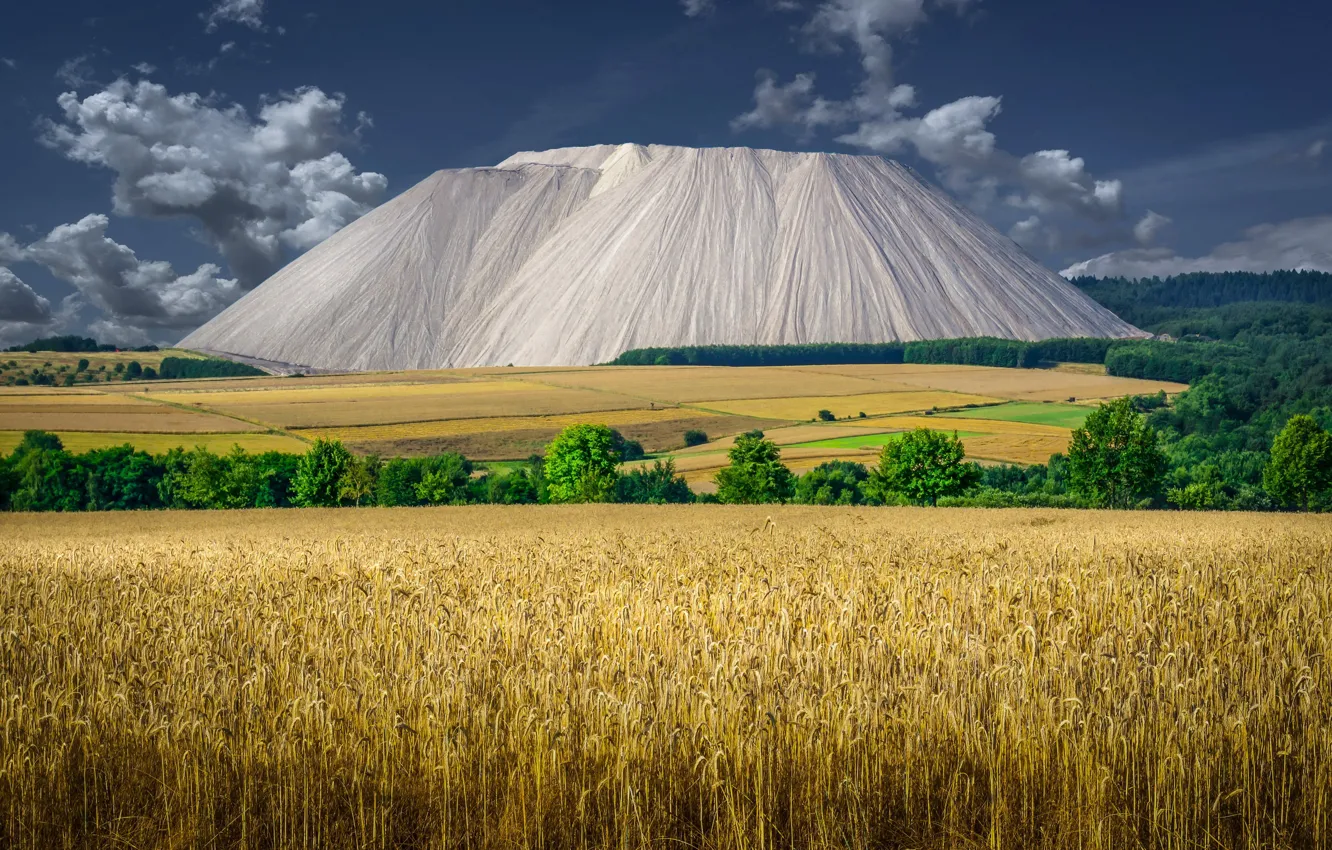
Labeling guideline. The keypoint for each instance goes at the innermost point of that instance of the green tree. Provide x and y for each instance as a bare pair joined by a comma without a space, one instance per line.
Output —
756,474
654,485
1204,490
396,487
444,480
694,437
1299,474
357,484
1114,460
134,370
121,479
581,465
320,473
826,416
836,482
83,365
45,476
923,466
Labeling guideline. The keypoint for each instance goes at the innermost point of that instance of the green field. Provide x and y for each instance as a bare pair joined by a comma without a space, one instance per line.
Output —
1059,415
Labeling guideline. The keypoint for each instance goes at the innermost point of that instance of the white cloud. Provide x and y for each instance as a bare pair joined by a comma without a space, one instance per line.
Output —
19,303
1032,234
256,186
954,137
793,105
145,68
10,63
129,291
76,73
1150,227
248,13
1316,149
695,8
1302,244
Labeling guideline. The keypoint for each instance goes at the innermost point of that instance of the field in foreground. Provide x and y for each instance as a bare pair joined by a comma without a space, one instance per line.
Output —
634,677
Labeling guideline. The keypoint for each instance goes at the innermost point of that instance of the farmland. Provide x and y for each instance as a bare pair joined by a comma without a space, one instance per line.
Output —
506,414
635,677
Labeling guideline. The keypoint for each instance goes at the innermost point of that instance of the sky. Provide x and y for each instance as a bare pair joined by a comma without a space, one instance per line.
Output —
158,159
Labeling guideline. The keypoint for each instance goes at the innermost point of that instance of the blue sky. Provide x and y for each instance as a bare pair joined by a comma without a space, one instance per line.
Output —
159,158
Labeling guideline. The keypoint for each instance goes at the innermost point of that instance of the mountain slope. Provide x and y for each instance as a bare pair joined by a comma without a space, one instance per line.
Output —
572,256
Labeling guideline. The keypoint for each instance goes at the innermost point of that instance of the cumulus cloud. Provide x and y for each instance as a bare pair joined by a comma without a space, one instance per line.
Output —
695,8
956,137
249,13
1150,227
1032,234
1302,244
257,186
793,105
129,291
145,68
18,301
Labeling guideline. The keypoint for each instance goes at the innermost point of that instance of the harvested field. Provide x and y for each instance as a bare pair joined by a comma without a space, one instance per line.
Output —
1014,448
85,441
782,436
718,678
108,413
950,423
698,384
1013,384
506,444
462,427
325,407
873,404
214,385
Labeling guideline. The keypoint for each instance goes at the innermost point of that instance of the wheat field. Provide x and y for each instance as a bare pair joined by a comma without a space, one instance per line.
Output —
640,677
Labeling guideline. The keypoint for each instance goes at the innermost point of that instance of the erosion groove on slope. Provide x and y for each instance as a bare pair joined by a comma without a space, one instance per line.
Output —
572,256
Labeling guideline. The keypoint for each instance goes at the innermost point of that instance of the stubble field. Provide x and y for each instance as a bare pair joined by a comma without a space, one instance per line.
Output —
635,677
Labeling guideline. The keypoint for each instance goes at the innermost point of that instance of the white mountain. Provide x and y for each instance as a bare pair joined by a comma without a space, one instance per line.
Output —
572,256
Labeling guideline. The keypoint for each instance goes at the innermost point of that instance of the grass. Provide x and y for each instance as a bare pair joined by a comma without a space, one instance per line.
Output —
84,441
1060,415
649,677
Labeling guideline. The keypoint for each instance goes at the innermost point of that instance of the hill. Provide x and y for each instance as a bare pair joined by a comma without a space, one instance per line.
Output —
573,256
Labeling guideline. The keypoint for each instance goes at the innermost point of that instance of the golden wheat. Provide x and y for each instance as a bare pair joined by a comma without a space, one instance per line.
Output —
633,678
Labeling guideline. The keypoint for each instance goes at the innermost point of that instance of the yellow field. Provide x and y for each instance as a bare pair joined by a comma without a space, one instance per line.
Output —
947,423
660,677
330,407
1015,448
288,383
457,427
698,384
1014,384
107,413
84,441
873,404
476,409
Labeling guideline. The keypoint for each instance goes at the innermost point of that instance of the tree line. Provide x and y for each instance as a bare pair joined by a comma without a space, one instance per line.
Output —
977,351
1116,460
